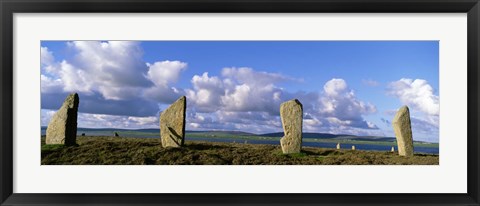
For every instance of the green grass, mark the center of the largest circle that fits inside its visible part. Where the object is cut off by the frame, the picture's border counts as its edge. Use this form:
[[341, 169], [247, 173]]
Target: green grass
[[52, 147], [147, 151]]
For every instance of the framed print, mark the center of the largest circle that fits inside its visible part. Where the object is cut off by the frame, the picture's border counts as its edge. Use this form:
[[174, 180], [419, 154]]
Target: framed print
[[247, 103]]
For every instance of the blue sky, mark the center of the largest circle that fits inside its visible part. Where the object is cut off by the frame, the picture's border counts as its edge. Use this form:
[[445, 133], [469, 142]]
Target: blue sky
[[348, 87]]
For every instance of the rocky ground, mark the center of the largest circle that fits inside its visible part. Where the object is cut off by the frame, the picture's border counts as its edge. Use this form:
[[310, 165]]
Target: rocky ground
[[140, 151]]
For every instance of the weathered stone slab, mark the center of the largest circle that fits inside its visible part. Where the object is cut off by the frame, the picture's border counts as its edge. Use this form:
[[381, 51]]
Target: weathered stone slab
[[338, 145], [353, 147], [172, 124], [291, 113], [62, 128], [403, 131]]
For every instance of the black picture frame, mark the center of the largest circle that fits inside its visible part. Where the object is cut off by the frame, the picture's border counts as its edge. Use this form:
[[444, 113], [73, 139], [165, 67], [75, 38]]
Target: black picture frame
[[10, 7]]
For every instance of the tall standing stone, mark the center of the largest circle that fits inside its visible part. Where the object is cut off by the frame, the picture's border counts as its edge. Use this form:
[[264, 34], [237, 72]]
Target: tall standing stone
[[291, 113], [172, 124], [62, 128], [403, 132]]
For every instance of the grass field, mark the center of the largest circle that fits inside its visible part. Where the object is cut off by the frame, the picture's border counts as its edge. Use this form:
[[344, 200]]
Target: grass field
[[148, 151]]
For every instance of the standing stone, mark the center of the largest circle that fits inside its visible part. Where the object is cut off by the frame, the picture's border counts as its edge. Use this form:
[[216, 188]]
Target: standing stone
[[353, 147], [62, 128], [338, 145], [291, 113], [172, 124], [393, 149], [403, 132]]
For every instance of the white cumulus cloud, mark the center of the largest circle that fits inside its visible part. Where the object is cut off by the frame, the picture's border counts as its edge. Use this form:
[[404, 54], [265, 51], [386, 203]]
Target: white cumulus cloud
[[339, 106], [238, 89], [207, 93], [114, 69], [110, 77], [163, 74], [46, 56], [238, 99], [417, 94], [118, 89], [50, 85]]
